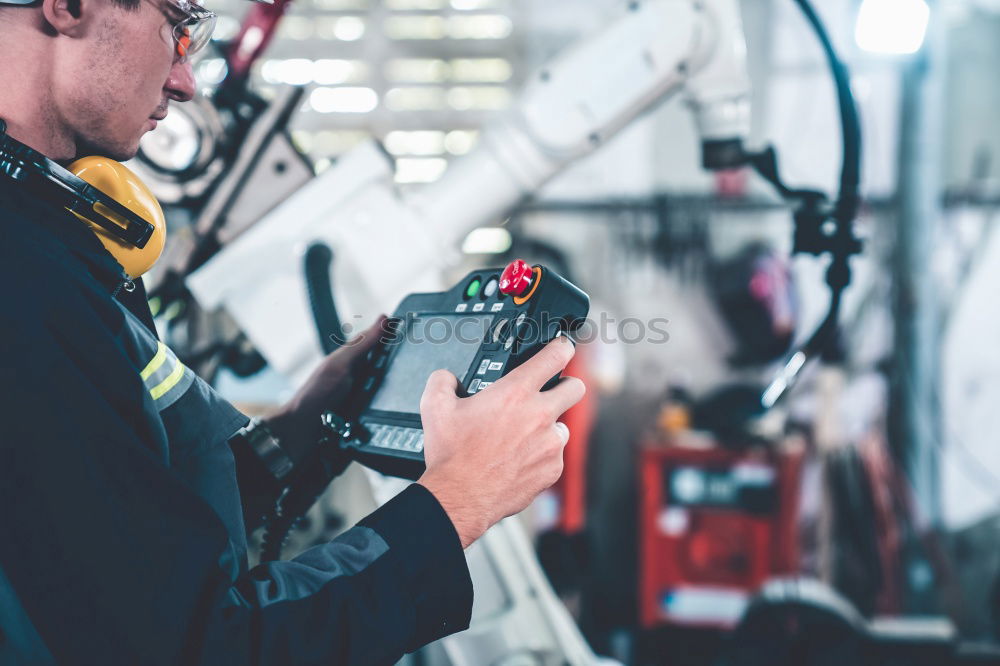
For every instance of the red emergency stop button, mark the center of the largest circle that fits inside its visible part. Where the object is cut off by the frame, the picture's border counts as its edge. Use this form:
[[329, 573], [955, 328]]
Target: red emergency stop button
[[516, 279]]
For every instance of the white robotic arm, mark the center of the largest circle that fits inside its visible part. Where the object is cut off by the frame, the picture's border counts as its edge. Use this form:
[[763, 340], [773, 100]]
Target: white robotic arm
[[576, 103], [386, 245]]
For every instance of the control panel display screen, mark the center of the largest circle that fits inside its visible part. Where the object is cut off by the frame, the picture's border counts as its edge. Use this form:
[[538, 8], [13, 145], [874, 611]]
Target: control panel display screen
[[429, 343]]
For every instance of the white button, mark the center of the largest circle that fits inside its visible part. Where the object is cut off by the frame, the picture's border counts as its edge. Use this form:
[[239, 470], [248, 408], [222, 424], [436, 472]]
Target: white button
[[483, 367], [419, 446], [491, 287], [460, 307], [509, 343], [474, 386], [478, 307], [496, 365], [499, 329], [496, 307]]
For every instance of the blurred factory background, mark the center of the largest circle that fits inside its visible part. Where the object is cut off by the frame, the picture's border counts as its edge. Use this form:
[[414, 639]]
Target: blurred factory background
[[877, 473]]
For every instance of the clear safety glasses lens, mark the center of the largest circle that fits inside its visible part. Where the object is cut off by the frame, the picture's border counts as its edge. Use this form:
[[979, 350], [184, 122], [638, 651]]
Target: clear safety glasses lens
[[194, 32]]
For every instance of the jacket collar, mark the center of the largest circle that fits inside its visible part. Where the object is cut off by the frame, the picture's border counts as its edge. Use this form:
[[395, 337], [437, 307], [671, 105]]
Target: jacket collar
[[69, 231]]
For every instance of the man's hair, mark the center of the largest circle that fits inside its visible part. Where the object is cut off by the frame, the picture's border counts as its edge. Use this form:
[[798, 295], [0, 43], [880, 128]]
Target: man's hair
[[125, 4]]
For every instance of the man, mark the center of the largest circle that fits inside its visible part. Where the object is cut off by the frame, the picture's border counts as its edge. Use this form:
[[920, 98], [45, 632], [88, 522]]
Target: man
[[123, 508]]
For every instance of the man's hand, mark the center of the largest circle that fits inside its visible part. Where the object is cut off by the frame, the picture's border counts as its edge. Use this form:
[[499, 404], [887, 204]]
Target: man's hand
[[296, 424], [490, 454]]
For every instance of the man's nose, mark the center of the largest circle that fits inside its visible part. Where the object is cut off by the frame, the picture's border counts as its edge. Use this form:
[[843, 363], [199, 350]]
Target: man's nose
[[180, 82]]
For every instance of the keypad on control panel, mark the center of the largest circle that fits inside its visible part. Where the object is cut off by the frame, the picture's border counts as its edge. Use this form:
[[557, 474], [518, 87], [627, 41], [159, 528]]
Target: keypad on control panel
[[398, 438]]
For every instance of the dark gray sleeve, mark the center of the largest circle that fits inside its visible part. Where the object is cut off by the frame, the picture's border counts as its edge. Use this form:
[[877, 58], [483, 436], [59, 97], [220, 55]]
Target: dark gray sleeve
[[115, 560]]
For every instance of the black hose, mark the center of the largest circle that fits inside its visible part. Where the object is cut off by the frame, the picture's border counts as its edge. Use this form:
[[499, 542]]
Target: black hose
[[317, 262], [842, 243], [850, 173], [848, 199], [817, 341]]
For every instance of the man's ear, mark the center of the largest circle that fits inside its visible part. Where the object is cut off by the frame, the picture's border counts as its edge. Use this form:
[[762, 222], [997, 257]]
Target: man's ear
[[68, 17]]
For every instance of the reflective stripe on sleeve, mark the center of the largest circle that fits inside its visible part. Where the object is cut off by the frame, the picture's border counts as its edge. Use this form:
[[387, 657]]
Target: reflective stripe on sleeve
[[165, 377], [171, 381], [156, 362]]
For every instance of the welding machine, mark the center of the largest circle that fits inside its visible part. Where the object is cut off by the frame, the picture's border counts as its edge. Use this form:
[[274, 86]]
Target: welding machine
[[714, 525]]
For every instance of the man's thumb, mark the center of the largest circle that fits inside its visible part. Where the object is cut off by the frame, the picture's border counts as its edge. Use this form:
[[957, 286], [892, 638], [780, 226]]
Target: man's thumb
[[441, 388]]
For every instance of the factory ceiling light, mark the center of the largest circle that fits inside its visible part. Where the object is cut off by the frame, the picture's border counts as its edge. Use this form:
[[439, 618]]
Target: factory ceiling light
[[895, 27]]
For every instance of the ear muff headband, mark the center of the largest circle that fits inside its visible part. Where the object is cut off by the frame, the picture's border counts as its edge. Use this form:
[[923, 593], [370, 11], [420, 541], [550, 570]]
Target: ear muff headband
[[122, 211]]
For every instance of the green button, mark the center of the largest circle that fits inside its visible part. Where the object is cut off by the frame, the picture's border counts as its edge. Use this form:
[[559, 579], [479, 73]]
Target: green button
[[473, 288]]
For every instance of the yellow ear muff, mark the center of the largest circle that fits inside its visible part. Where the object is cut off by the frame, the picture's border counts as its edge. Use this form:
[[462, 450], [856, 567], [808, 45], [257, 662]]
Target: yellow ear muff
[[118, 182]]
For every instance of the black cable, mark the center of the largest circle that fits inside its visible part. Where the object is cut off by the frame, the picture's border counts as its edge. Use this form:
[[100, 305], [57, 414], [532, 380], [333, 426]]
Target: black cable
[[850, 173], [813, 217], [827, 328], [317, 262]]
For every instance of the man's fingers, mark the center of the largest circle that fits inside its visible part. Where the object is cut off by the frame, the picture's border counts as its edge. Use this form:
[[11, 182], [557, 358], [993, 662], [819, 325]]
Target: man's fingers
[[565, 394], [442, 386], [544, 365]]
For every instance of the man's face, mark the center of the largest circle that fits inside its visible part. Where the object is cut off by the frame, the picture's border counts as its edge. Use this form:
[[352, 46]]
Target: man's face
[[115, 84]]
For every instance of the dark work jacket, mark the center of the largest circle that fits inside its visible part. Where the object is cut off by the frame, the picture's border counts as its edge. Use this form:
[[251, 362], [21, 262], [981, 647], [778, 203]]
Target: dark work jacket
[[122, 532]]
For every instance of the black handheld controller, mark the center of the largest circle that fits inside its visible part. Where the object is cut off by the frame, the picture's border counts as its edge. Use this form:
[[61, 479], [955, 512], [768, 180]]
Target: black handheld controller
[[489, 323]]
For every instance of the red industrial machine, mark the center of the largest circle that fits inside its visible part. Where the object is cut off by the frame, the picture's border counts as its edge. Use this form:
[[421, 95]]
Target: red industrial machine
[[714, 524]]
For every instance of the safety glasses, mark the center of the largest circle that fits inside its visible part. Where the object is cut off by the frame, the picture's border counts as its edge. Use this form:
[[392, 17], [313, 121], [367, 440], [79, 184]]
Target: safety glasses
[[192, 26]]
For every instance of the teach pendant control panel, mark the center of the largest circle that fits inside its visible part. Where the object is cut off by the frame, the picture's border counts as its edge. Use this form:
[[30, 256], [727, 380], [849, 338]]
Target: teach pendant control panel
[[482, 328]]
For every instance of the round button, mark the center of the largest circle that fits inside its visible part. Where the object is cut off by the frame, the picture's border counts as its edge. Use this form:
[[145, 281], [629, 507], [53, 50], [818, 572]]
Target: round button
[[473, 288], [515, 331], [500, 329], [491, 287], [517, 278]]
